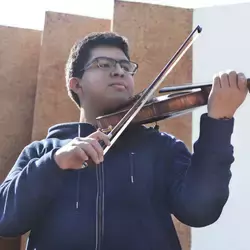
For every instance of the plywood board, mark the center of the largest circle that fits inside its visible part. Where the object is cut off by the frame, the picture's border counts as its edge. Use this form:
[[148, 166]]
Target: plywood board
[[19, 57], [52, 102]]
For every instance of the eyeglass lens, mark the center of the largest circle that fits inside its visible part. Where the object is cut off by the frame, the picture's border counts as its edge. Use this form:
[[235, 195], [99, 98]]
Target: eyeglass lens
[[108, 63]]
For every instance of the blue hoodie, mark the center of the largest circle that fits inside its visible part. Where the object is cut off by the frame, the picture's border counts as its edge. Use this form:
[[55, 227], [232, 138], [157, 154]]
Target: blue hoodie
[[149, 175]]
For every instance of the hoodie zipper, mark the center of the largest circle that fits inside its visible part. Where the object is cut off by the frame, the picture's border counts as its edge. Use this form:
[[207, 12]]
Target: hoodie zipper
[[99, 205]]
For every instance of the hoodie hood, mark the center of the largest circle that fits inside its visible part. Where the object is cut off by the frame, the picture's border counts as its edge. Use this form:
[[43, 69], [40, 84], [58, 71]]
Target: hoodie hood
[[70, 130]]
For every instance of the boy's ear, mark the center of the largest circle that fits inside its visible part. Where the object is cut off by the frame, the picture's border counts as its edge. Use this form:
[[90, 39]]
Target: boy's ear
[[74, 84]]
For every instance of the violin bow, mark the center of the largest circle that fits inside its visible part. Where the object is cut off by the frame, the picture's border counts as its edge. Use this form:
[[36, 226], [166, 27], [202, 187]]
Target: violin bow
[[129, 116]]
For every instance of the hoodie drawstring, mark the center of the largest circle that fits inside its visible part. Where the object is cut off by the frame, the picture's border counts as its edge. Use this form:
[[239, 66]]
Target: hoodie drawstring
[[78, 189], [78, 174], [132, 158], [99, 199]]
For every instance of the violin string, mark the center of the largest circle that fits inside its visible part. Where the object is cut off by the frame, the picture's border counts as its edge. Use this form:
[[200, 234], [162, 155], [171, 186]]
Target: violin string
[[194, 83]]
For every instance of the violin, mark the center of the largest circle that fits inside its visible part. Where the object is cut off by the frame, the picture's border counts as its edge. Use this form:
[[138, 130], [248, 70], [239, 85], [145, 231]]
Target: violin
[[163, 107]]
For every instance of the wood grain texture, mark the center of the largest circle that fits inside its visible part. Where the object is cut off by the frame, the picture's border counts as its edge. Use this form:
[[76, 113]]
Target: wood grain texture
[[19, 57], [52, 104]]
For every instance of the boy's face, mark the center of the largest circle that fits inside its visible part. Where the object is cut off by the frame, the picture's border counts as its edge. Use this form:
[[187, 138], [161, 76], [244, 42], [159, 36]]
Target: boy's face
[[106, 85]]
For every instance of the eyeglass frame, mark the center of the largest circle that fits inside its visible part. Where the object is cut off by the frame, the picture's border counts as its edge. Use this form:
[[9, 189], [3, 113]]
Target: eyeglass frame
[[88, 65]]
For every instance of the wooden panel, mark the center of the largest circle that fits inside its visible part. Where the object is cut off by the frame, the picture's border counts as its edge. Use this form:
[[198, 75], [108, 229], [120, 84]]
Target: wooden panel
[[19, 57], [10, 243], [52, 102], [155, 33]]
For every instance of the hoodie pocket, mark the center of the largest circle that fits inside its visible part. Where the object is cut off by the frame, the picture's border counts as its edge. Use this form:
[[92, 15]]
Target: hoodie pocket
[[140, 172]]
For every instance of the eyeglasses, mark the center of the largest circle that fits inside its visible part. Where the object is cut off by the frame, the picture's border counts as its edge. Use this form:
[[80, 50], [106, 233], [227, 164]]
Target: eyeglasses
[[107, 63]]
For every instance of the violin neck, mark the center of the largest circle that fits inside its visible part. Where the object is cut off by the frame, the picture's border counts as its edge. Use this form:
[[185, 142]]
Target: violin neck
[[191, 86], [184, 87]]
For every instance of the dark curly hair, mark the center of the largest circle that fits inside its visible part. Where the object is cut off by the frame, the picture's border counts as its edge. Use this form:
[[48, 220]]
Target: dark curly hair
[[80, 53]]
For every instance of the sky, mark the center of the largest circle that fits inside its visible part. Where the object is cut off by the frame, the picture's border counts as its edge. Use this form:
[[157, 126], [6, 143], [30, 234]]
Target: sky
[[30, 13]]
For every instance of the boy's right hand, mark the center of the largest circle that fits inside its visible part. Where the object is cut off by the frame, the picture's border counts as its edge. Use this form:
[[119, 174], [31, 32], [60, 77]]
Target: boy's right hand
[[79, 150]]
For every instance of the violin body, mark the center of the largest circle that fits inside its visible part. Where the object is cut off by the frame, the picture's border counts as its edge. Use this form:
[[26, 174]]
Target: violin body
[[158, 108]]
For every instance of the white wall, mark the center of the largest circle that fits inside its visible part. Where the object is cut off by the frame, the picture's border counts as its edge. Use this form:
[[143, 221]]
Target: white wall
[[225, 44]]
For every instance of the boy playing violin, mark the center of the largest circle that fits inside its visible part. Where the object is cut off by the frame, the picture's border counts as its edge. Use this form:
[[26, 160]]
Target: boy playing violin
[[149, 175]]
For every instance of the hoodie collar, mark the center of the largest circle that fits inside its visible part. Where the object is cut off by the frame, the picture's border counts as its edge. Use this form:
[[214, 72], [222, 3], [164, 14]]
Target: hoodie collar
[[70, 130]]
